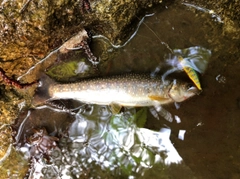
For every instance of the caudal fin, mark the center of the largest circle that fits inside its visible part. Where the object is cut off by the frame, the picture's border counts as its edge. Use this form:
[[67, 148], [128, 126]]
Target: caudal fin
[[41, 95]]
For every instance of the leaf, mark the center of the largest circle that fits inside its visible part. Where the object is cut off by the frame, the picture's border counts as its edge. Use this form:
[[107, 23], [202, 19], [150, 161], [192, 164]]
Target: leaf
[[127, 169], [141, 117], [63, 70], [136, 159]]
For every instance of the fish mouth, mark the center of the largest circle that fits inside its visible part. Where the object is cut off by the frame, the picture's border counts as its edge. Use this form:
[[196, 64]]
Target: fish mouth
[[179, 94], [194, 90]]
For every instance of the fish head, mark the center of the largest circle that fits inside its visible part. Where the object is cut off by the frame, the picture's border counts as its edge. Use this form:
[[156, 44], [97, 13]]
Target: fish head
[[181, 91]]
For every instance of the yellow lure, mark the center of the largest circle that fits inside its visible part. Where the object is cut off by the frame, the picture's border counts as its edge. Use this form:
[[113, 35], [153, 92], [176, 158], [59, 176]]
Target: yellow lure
[[190, 72]]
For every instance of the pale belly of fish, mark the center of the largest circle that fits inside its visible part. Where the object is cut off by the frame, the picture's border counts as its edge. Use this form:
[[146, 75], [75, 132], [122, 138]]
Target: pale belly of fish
[[124, 90]]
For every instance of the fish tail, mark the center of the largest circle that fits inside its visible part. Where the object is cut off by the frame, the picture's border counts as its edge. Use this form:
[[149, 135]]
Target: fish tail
[[41, 95]]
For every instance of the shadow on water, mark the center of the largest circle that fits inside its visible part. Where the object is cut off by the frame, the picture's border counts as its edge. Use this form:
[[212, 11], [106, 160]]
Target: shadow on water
[[134, 144]]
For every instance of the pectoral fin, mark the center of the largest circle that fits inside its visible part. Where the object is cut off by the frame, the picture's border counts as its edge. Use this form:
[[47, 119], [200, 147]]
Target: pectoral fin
[[158, 98], [115, 108], [177, 105]]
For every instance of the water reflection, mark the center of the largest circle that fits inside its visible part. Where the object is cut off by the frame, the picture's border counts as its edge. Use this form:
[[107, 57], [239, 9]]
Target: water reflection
[[99, 144], [214, 15], [118, 144], [193, 57]]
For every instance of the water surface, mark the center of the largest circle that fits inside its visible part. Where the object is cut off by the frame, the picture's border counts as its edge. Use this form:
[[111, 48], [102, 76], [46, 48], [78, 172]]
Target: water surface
[[201, 140]]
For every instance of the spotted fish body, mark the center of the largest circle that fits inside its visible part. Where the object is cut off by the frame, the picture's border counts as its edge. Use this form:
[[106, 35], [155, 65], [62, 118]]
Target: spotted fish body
[[125, 90], [190, 72]]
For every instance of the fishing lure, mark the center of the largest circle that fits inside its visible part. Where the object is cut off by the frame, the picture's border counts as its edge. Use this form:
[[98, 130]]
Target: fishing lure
[[190, 72]]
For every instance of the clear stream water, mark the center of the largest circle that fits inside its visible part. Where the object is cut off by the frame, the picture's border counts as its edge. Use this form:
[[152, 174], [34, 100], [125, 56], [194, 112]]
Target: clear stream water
[[198, 140]]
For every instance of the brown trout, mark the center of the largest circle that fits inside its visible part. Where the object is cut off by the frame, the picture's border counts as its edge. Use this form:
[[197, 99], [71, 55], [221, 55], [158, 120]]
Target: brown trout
[[124, 90]]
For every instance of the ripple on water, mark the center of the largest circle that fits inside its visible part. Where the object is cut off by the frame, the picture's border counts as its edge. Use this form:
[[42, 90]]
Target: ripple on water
[[98, 144]]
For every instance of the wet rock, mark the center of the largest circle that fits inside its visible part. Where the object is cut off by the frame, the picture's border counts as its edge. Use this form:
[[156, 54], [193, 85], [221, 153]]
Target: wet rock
[[228, 11], [225, 8], [118, 15], [30, 29]]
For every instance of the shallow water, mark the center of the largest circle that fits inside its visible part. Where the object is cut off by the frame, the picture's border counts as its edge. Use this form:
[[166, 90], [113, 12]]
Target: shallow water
[[134, 144]]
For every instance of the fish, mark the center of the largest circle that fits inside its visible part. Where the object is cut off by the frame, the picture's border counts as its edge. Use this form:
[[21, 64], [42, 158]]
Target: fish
[[134, 90], [190, 72]]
